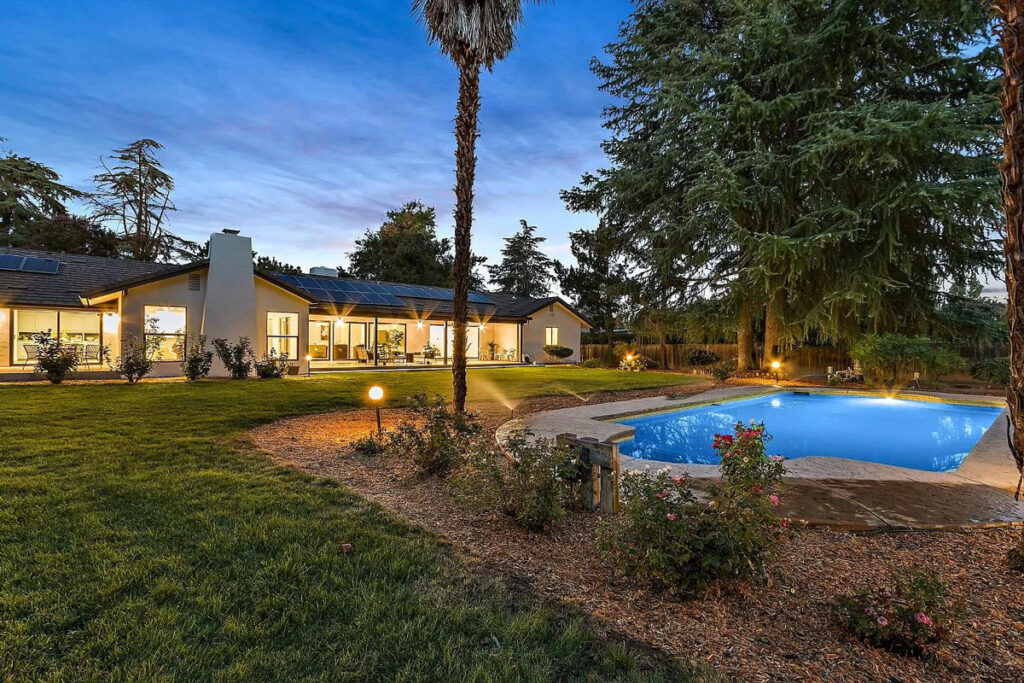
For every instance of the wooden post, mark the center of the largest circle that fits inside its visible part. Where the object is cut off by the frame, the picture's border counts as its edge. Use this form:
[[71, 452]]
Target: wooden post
[[601, 488]]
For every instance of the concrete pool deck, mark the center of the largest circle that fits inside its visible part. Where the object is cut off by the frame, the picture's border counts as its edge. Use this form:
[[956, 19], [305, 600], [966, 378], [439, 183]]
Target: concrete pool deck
[[829, 490]]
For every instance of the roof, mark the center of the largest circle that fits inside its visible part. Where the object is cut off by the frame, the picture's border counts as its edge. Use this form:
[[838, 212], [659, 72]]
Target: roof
[[87, 277], [75, 275]]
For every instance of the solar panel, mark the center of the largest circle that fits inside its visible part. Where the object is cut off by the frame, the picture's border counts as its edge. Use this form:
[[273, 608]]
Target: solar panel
[[10, 262], [46, 266]]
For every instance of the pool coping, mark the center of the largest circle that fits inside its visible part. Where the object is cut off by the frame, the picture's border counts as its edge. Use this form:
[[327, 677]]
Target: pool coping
[[988, 468]]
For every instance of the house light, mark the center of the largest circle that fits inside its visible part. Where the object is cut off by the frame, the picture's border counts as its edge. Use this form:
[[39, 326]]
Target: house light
[[110, 322], [483, 326], [419, 324]]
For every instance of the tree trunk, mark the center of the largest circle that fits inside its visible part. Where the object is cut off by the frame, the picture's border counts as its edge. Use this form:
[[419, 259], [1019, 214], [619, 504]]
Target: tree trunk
[[1011, 40], [466, 118], [745, 336], [771, 331]]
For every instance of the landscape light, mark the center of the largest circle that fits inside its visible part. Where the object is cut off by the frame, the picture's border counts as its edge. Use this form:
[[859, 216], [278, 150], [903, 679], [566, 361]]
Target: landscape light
[[376, 394], [775, 365], [629, 357], [309, 366]]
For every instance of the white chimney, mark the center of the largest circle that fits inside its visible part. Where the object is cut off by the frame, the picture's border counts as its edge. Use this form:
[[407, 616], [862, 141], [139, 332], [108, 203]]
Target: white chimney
[[230, 310]]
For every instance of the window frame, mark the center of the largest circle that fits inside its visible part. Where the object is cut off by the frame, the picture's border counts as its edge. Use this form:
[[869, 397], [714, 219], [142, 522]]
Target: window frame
[[146, 335], [547, 335], [298, 321]]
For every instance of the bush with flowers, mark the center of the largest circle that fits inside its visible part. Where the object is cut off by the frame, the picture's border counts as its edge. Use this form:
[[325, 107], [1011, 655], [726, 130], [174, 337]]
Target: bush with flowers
[[911, 619], [535, 484], [671, 538]]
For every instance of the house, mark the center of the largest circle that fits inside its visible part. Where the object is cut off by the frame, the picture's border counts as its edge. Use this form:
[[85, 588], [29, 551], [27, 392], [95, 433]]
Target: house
[[323, 322]]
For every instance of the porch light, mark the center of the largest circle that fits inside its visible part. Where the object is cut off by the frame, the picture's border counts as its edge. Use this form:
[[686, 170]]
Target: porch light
[[419, 324], [376, 394], [483, 326]]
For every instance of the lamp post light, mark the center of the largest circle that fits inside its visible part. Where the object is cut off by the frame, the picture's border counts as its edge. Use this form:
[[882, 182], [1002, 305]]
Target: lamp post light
[[775, 368], [376, 394], [309, 365]]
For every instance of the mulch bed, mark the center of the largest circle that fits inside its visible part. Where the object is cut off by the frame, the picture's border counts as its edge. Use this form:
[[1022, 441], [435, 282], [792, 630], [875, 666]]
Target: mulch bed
[[781, 630]]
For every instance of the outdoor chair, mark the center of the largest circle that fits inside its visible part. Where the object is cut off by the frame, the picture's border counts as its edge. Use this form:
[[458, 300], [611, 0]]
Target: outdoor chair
[[31, 353]]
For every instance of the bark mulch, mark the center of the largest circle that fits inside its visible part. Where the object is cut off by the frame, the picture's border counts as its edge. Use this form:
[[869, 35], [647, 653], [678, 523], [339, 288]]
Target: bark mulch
[[780, 630]]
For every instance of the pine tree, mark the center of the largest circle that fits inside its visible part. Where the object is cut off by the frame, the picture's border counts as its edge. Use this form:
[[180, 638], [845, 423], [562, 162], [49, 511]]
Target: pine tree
[[524, 269], [29, 192], [593, 283], [827, 165]]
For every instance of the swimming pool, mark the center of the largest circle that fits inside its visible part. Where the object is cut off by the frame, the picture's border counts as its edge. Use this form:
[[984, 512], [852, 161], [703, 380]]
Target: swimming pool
[[921, 435]]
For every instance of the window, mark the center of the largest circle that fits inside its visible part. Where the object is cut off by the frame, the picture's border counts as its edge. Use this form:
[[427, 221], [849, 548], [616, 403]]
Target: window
[[283, 334], [320, 339], [165, 331], [75, 328], [550, 336]]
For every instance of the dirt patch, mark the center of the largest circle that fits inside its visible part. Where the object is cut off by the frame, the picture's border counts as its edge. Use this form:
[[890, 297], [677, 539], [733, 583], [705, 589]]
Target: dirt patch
[[783, 630]]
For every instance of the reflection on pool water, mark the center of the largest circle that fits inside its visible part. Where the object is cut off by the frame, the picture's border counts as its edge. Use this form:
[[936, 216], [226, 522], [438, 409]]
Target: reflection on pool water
[[920, 435]]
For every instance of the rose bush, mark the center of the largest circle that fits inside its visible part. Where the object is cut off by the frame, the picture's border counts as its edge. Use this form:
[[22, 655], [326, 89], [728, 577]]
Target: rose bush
[[671, 538]]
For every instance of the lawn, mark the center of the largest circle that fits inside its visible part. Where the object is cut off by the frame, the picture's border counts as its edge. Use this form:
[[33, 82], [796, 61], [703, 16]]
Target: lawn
[[143, 538]]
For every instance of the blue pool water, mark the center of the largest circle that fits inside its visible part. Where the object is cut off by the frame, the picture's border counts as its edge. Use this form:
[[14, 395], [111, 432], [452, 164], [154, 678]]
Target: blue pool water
[[915, 434]]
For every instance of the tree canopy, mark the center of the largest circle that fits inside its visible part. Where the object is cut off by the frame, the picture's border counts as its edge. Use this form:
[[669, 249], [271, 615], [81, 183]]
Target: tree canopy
[[405, 248], [524, 269], [30, 192], [826, 165], [594, 283]]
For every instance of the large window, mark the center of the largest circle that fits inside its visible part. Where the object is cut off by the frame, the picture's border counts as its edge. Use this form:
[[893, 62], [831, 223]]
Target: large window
[[283, 334], [320, 339], [550, 336], [165, 331], [82, 329]]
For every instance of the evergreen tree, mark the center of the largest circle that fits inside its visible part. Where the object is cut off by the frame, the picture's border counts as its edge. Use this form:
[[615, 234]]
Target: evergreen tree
[[827, 164], [593, 284], [272, 264], [29, 192], [70, 235], [135, 196], [524, 269], [405, 248]]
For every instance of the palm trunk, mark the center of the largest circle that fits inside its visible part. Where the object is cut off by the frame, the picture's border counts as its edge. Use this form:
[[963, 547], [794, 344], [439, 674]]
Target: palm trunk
[[1011, 40], [466, 117], [745, 336]]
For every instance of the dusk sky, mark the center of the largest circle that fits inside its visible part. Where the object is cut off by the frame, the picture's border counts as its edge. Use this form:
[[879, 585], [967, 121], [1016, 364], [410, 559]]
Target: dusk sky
[[302, 123]]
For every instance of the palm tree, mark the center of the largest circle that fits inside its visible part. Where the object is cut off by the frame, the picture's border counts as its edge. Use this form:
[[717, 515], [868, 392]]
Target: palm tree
[[1011, 40], [474, 34]]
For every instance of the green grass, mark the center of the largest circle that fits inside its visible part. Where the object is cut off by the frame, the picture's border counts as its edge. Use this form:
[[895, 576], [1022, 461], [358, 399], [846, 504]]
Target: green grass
[[142, 538]]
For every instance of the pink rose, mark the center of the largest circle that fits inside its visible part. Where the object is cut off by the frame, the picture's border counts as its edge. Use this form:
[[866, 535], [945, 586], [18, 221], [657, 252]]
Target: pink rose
[[671, 517], [774, 499], [882, 621], [922, 618]]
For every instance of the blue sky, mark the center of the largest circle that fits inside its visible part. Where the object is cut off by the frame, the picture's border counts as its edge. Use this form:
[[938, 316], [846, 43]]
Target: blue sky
[[302, 123]]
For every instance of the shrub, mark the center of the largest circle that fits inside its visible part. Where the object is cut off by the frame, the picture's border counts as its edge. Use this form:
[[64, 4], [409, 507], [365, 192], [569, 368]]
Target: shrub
[[633, 364], [55, 360], [992, 370], [271, 366], [721, 372], [670, 539], [558, 352], [196, 360], [701, 357], [835, 381], [913, 619], [591, 363], [371, 446], [941, 362], [441, 443], [237, 358], [534, 485], [137, 357], [894, 357]]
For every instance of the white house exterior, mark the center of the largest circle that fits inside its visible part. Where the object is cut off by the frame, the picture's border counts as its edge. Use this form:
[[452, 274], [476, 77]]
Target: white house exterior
[[321, 322]]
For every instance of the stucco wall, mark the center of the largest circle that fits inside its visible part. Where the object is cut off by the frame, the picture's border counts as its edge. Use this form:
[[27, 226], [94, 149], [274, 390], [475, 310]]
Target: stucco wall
[[172, 291], [273, 299], [5, 336], [569, 329]]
